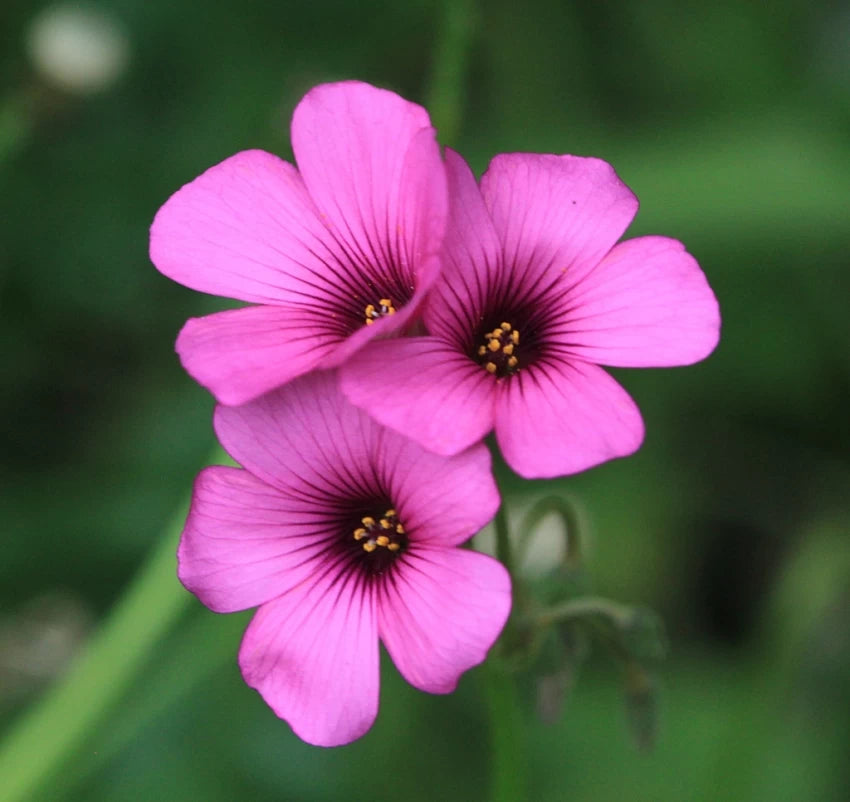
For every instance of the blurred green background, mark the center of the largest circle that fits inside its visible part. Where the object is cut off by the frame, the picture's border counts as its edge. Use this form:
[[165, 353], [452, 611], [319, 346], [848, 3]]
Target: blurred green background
[[730, 121]]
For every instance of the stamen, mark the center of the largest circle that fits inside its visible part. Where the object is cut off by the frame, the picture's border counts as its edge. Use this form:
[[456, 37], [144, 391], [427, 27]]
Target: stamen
[[385, 533], [372, 313], [498, 351]]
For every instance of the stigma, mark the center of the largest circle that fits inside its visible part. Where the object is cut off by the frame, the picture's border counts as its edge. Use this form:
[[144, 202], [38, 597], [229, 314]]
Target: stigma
[[498, 353], [373, 312]]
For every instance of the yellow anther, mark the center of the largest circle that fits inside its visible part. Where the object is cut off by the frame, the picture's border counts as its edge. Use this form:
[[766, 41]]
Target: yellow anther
[[369, 545], [505, 326], [515, 337], [390, 513], [482, 349], [513, 362], [508, 349], [382, 540], [490, 367], [367, 521], [359, 534], [399, 528], [370, 321], [497, 333], [370, 310], [391, 310], [494, 345], [386, 302], [385, 524], [394, 547]]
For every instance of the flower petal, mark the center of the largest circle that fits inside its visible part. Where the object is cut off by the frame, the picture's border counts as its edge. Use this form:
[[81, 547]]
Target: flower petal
[[556, 216], [439, 500], [372, 165], [247, 229], [423, 388], [647, 304], [440, 614], [313, 656], [472, 260], [304, 437], [242, 353], [244, 542], [557, 418]]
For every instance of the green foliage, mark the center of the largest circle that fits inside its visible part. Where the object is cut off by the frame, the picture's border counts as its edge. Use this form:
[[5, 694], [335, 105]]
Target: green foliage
[[730, 122]]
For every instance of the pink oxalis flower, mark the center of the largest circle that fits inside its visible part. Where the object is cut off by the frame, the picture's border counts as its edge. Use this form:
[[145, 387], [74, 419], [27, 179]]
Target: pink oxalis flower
[[343, 532], [535, 294], [349, 238]]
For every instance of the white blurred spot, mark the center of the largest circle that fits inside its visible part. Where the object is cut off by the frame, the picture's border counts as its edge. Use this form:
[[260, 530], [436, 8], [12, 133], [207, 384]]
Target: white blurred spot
[[76, 49]]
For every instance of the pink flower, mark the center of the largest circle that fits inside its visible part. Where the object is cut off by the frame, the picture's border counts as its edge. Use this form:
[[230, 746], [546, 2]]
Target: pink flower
[[349, 238], [343, 532], [534, 295]]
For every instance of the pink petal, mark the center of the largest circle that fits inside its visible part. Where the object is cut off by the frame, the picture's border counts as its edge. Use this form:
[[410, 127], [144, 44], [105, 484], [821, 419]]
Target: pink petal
[[439, 500], [557, 418], [247, 229], [647, 304], [441, 614], [304, 437], [556, 216], [313, 656], [242, 353], [244, 542], [424, 389], [472, 259], [372, 165]]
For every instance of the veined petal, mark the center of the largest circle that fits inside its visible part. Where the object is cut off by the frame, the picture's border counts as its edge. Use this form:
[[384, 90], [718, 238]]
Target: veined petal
[[247, 229], [559, 417], [440, 501], [313, 656], [372, 165], [242, 353], [423, 388], [304, 437], [647, 304], [440, 615], [472, 259], [244, 542], [556, 217]]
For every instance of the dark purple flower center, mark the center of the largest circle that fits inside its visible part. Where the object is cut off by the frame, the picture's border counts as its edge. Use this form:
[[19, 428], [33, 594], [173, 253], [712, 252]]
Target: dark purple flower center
[[499, 354], [377, 542]]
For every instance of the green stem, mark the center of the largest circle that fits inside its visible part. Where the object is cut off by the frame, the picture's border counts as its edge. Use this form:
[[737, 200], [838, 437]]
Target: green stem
[[507, 773], [47, 735], [447, 81], [583, 607], [503, 539]]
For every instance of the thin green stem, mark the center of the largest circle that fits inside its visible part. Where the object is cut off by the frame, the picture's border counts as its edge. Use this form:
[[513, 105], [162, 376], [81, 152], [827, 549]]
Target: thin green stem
[[583, 607], [39, 743], [507, 773], [447, 84], [504, 551]]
